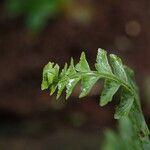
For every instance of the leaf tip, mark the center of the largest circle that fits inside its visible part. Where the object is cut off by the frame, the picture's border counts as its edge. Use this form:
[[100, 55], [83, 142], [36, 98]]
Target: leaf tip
[[102, 103], [71, 61], [83, 54], [67, 95], [116, 116], [42, 89], [58, 96], [100, 50], [51, 93], [82, 94], [113, 55]]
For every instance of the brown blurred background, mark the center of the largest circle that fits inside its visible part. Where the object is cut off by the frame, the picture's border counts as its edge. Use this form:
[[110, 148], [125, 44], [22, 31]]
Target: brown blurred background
[[31, 119]]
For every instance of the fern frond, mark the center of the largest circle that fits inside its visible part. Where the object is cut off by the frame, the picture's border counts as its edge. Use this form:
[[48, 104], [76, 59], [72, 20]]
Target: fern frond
[[115, 75]]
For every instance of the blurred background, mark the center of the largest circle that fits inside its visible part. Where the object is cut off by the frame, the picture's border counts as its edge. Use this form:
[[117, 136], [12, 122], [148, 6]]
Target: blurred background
[[33, 32]]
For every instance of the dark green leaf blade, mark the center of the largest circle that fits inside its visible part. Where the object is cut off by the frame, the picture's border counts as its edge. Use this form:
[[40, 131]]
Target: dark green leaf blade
[[53, 88], [118, 67], [71, 70], [68, 80], [125, 105], [70, 86], [87, 82], [102, 64], [110, 88], [83, 65], [71, 83], [64, 70], [131, 78], [61, 83]]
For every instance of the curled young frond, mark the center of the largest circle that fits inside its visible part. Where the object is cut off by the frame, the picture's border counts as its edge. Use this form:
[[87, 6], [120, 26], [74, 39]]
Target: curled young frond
[[113, 72]]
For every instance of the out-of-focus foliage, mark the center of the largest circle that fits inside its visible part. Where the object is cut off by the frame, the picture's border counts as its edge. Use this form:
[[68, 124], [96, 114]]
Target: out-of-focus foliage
[[126, 139], [36, 11], [115, 75]]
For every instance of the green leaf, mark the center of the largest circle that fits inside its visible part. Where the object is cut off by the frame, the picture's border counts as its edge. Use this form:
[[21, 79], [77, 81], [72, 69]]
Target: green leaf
[[83, 65], [131, 78], [118, 67], [64, 70], [125, 105], [37, 12], [67, 80], [49, 74], [102, 64], [53, 88], [61, 85], [87, 83], [71, 81], [110, 88], [62, 82], [71, 70], [70, 86]]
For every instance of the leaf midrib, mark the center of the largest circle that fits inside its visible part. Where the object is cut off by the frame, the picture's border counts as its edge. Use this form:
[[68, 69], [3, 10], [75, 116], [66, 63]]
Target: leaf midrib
[[111, 77]]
